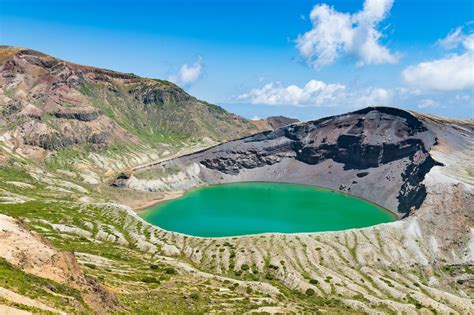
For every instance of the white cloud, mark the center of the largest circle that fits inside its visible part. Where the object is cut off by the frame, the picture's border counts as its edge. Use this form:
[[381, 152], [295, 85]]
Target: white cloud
[[453, 39], [313, 93], [317, 93], [427, 103], [447, 74], [188, 74], [371, 97], [463, 97], [452, 73], [335, 34]]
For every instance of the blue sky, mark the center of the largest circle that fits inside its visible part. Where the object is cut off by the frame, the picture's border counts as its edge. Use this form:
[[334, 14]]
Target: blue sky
[[260, 58]]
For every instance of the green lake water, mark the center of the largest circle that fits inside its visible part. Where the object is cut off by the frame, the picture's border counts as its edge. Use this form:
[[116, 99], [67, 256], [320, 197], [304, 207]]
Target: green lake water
[[252, 208]]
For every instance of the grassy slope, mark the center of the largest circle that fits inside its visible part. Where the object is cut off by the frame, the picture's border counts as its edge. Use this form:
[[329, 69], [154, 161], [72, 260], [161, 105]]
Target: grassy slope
[[179, 118], [142, 282]]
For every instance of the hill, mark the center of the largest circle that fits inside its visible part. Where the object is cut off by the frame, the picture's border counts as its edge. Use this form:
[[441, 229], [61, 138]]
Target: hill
[[48, 105]]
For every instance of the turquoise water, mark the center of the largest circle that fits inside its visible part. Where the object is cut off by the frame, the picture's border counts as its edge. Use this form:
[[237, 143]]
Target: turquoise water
[[252, 208]]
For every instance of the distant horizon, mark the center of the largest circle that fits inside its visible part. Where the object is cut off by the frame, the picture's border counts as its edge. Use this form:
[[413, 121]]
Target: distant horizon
[[303, 59]]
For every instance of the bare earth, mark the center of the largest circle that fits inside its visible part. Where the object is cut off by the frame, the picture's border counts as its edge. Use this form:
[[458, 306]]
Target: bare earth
[[140, 205]]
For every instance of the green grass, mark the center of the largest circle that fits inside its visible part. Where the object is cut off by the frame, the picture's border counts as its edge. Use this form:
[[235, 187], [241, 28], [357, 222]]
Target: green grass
[[66, 158], [172, 118]]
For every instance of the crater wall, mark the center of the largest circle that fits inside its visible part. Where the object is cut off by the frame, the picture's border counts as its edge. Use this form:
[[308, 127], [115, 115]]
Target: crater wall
[[378, 153]]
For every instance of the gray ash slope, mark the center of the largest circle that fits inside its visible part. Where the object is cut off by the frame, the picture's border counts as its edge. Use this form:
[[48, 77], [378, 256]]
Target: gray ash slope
[[377, 153]]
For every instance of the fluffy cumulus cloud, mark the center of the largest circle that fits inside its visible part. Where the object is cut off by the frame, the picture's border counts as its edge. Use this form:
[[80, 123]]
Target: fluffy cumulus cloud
[[454, 72], [313, 93], [317, 93], [188, 74], [335, 34]]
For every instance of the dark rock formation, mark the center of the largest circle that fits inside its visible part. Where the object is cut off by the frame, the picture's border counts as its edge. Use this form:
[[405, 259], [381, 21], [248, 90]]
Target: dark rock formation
[[121, 180], [238, 160], [413, 192], [367, 138], [78, 115]]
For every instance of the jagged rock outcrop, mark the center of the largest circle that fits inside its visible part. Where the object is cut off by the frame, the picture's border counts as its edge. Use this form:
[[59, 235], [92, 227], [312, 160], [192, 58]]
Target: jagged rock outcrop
[[83, 114]]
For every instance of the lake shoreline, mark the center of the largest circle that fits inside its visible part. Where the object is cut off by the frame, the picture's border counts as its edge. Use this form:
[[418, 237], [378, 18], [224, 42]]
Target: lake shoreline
[[325, 200], [139, 206]]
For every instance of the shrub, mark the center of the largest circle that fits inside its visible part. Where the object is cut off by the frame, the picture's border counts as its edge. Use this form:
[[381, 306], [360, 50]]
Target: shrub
[[309, 292], [313, 281], [170, 271], [90, 266], [150, 280], [245, 267]]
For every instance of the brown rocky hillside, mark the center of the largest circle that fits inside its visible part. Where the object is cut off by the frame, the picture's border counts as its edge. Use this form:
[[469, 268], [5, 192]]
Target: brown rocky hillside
[[52, 104]]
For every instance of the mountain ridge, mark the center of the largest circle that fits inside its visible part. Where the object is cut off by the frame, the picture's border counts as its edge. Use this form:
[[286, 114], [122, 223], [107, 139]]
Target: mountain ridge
[[140, 110]]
